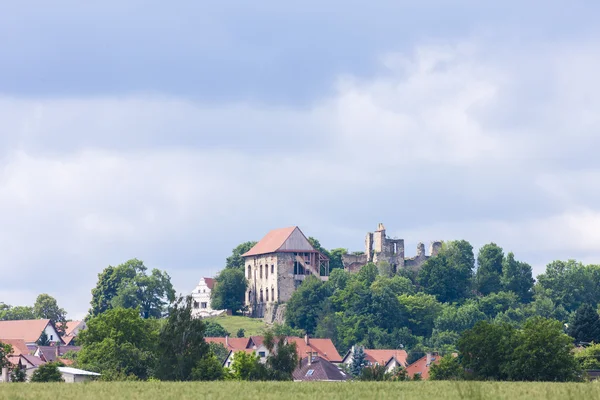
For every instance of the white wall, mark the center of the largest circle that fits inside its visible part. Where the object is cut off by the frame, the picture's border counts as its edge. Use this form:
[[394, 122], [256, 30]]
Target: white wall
[[201, 296]]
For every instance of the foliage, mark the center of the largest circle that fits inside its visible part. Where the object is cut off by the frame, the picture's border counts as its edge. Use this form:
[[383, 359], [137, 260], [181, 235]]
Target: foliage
[[214, 329], [586, 325], [489, 269], [219, 351], [358, 361], [128, 286], [517, 278], [10, 313], [119, 344], [47, 373], [181, 343], [305, 304], [235, 260], [240, 333], [284, 330], [495, 303], [422, 310], [229, 291], [283, 357], [246, 367], [18, 375], [335, 259], [589, 357], [459, 319], [448, 275], [209, 368], [5, 351], [46, 307], [44, 340], [448, 368], [374, 373]]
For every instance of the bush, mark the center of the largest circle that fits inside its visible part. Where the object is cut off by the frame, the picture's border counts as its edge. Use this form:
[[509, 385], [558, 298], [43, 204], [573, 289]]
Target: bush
[[47, 373]]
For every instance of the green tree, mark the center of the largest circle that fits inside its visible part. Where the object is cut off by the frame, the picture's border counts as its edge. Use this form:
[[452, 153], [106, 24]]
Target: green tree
[[10, 313], [47, 373], [129, 286], [448, 275], [46, 307], [181, 343], [335, 258], [517, 277], [495, 303], [246, 366], [448, 369], [283, 357], [209, 368], [219, 351], [305, 304], [422, 310], [489, 269], [214, 329], [230, 290], [589, 358], [119, 344], [358, 361], [542, 352], [586, 325], [459, 319], [18, 374], [375, 373], [44, 340], [241, 333], [235, 260], [5, 351]]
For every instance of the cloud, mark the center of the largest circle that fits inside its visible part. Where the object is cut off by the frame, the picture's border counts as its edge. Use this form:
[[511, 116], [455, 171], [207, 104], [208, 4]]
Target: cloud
[[439, 145]]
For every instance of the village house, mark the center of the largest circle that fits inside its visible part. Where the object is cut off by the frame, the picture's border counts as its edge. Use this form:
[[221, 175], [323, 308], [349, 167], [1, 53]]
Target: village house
[[391, 359], [201, 307], [422, 365], [318, 369], [72, 330], [30, 331], [277, 265]]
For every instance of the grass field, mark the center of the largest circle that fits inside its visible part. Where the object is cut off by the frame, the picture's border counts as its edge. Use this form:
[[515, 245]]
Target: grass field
[[251, 326], [293, 390]]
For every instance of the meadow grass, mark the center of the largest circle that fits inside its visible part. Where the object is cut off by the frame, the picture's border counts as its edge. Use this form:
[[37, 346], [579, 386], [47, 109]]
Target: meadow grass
[[251, 326], [296, 390]]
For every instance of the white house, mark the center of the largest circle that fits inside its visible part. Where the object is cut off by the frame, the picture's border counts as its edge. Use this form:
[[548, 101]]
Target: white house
[[201, 299], [29, 330]]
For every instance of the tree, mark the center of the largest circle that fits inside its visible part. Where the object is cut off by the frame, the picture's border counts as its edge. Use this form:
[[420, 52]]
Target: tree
[[246, 366], [447, 369], [119, 344], [44, 340], [448, 275], [586, 325], [47, 373], [213, 329], [241, 333], [489, 269], [219, 351], [10, 313], [5, 351], [422, 310], [235, 260], [305, 304], [542, 353], [230, 290], [335, 258], [46, 307], [589, 358], [517, 278], [375, 373], [181, 343], [129, 286], [495, 303], [283, 357], [459, 319], [358, 361], [18, 374], [209, 368]]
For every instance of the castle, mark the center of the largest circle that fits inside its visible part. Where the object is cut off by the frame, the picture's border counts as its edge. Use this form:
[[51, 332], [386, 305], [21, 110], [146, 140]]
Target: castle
[[379, 248]]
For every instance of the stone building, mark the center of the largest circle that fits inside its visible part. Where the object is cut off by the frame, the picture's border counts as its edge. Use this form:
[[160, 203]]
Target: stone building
[[201, 307], [380, 248], [277, 265]]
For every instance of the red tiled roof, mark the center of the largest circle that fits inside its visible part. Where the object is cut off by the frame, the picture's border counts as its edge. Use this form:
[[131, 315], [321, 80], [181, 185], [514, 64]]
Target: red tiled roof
[[271, 242], [234, 344], [257, 340], [28, 330], [18, 346], [323, 347], [71, 325], [383, 356], [210, 282], [420, 366], [68, 340]]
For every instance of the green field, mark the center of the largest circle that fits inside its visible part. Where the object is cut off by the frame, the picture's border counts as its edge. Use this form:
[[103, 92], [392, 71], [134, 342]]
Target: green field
[[251, 326], [294, 390]]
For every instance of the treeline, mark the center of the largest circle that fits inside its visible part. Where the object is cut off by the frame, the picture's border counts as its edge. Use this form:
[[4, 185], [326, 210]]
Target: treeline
[[429, 310], [45, 307]]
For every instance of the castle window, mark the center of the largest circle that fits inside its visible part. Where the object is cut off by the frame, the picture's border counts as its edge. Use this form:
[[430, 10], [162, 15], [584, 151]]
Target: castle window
[[261, 295], [195, 304], [267, 295], [272, 269], [260, 269], [266, 271], [272, 294], [249, 296], [204, 305]]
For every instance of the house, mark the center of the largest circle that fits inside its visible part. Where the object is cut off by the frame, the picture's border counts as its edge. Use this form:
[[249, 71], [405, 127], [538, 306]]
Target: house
[[72, 330], [392, 359], [30, 363], [322, 348], [231, 356], [19, 347], [74, 375], [422, 365], [231, 344], [30, 330], [277, 265], [318, 369], [201, 307], [54, 353]]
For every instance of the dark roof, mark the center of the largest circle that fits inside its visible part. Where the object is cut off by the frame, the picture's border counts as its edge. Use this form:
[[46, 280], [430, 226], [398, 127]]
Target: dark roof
[[318, 370], [48, 353], [33, 360]]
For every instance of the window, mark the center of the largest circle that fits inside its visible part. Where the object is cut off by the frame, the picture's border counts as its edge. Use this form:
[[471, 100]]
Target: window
[[261, 295], [249, 296], [51, 337], [267, 294], [260, 272], [195, 304], [249, 272], [272, 269], [266, 271], [310, 372], [262, 354], [204, 305], [272, 294]]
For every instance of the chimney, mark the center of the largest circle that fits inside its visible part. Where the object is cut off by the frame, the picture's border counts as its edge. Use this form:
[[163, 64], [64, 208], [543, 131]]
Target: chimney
[[5, 374], [309, 357], [428, 359], [226, 340], [306, 339]]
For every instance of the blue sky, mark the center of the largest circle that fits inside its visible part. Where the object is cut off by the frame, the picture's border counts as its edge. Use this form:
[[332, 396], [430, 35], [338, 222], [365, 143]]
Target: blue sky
[[173, 132]]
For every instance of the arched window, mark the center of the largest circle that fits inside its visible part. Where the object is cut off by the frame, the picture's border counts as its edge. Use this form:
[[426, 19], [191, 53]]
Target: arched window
[[267, 295], [249, 296], [260, 271], [261, 295], [249, 272], [266, 272], [272, 294]]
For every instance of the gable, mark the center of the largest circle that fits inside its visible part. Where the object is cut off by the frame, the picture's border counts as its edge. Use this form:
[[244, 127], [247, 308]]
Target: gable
[[296, 241]]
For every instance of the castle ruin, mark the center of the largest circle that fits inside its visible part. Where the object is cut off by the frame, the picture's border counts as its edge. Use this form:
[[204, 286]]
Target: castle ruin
[[379, 248]]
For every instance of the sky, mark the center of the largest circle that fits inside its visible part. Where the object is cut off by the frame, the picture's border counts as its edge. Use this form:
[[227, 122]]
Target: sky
[[173, 131]]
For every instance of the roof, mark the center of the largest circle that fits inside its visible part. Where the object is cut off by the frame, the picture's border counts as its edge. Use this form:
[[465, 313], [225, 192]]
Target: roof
[[71, 325], [276, 239], [33, 360], [76, 371], [68, 339], [323, 347], [48, 353], [318, 370], [382, 357], [232, 343], [29, 330], [210, 282], [256, 340], [18, 346], [421, 366]]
